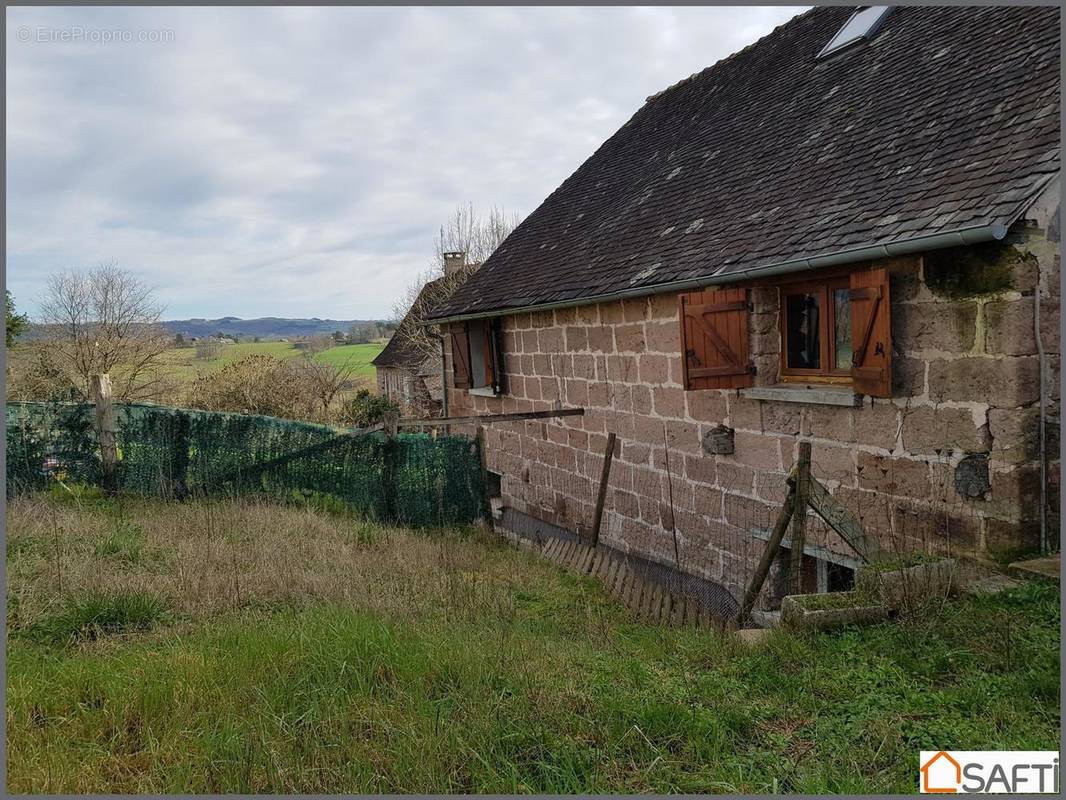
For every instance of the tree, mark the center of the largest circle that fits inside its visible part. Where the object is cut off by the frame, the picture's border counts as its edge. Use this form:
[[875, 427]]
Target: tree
[[325, 381], [208, 349], [14, 323], [467, 232], [364, 332], [102, 321], [179, 340]]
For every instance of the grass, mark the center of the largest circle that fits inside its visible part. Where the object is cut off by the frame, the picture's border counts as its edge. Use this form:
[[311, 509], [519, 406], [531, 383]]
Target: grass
[[291, 650], [183, 363]]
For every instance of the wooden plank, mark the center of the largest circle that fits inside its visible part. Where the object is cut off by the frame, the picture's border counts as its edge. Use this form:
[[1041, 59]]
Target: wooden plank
[[601, 497], [596, 556], [632, 597], [655, 602], [772, 546], [692, 610], [677, 614], [705, 619], [799, 518], [486, 419], [840, 519], [612, 576], [573, 556], [667, 607], [620, 581]]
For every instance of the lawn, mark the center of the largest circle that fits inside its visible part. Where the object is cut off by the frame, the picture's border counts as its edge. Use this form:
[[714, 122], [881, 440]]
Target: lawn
[[236, 647]]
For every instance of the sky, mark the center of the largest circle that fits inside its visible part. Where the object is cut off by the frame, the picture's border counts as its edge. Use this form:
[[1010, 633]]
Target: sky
[[299, 162]]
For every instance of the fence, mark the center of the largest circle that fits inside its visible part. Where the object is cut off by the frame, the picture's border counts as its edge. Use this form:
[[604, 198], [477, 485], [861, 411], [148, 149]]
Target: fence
[[410, 479]]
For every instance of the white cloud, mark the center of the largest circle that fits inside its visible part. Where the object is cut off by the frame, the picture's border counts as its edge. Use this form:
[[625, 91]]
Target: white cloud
[[298, 161]]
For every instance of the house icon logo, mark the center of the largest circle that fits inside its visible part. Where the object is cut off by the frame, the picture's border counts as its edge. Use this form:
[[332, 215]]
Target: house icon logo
[[941, 774]]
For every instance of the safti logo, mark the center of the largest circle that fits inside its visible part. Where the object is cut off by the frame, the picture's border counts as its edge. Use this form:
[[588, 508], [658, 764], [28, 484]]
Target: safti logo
[[989, 772]]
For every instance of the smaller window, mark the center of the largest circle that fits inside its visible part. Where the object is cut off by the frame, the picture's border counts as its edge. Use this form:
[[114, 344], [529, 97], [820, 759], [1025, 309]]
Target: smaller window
[[861, 25], [477, 355], [816, 331]]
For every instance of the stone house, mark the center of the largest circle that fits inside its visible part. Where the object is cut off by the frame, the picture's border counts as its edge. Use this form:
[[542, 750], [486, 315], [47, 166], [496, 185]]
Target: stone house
[[405, 372], [846, 233]]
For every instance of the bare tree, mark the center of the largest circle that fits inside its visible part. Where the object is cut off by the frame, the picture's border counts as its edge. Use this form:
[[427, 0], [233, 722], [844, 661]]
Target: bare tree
[[466, 231], [325, 381], [106, 321]]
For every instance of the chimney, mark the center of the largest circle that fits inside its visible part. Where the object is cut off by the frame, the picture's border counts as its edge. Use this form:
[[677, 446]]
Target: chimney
[[454, 262]]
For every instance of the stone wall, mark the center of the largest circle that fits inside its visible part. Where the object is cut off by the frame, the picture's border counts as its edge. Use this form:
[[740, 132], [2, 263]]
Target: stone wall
[[966, 392]]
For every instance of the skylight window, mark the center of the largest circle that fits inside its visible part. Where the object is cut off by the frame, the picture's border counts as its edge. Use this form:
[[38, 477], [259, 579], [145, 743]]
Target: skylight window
[[861, 25]]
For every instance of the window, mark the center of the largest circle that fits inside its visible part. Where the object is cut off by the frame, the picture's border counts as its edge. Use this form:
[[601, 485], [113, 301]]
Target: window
[[816, 331], [861, 25], [477, 362], [833, 329]]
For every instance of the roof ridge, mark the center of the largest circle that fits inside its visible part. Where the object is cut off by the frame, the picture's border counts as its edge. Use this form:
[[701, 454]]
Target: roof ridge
[[728, 58]]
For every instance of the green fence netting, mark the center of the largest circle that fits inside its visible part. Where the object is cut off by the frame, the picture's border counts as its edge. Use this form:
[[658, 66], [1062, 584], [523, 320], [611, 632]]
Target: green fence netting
[[410, 479]]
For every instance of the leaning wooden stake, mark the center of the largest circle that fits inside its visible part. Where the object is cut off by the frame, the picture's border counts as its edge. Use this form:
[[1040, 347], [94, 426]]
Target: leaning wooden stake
[[799, 519], [100, 391], [768, 556], [608, 456]]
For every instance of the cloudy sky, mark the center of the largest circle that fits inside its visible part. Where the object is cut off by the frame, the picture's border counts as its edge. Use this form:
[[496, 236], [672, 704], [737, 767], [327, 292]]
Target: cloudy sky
[[298, 162]]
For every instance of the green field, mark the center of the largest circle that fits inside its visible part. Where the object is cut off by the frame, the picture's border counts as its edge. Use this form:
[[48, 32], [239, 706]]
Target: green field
[[182, 361], [233, 647]]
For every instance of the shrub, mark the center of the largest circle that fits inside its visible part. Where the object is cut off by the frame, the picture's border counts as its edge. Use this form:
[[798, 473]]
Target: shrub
[[256, 384], [366, 409]]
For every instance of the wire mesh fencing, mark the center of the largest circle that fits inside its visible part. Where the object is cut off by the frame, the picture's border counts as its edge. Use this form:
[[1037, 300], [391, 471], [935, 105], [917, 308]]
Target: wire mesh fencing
[[409, 479]]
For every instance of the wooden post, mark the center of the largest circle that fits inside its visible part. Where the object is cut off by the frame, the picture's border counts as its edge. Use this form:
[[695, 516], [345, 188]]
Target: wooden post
[[768, 556], [100, 391], [601, 498], [486, 503], [799, 518]]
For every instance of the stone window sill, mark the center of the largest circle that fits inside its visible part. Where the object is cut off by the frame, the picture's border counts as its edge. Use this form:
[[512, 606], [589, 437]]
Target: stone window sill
[[805, 393], [483, 391]]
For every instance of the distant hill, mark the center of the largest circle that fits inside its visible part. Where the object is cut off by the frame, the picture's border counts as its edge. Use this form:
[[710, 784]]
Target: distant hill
[[263, 327]]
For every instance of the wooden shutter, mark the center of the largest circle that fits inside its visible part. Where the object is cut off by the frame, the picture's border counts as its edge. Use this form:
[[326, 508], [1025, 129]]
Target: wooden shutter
[[460, 355], [871, 333], [714, 339]]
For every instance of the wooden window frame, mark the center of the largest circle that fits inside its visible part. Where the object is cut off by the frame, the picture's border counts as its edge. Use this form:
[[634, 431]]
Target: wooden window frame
[[824, 288], [487, 333]]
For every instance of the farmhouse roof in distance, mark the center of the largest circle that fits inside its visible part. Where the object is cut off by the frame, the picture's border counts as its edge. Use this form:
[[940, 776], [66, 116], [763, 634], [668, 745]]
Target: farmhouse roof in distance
[[944, 120], [400, 351]]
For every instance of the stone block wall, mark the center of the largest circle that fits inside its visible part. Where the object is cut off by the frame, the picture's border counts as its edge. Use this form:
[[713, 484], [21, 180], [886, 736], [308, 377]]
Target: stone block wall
[[965, 389]]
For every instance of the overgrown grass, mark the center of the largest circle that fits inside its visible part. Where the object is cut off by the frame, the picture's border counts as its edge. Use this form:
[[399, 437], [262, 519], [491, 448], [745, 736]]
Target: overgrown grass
[[363, 659]]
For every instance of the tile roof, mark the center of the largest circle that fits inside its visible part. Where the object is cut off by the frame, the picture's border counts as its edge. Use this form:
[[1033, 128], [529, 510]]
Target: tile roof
[[399, 351], [947, 118]]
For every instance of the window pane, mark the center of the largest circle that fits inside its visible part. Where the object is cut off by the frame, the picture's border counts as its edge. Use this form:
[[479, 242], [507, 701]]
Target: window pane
[[478, 379], [842, 328], [801, 318]]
